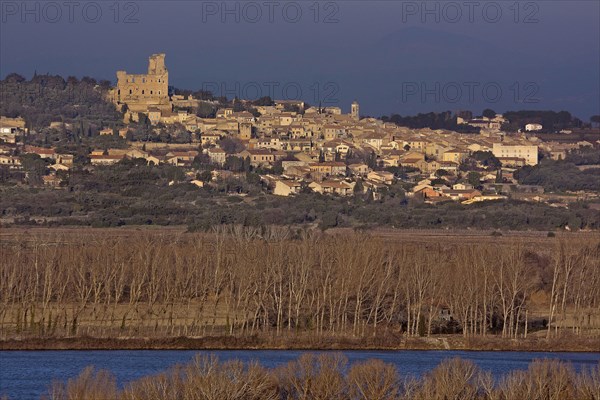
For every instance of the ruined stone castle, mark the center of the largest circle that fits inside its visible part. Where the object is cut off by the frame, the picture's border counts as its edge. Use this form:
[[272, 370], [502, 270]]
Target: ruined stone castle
[[144, 93]]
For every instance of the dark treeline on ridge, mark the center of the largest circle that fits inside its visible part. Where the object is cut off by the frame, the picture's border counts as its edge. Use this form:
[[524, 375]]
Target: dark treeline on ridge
[[48, 98], [443, 120]]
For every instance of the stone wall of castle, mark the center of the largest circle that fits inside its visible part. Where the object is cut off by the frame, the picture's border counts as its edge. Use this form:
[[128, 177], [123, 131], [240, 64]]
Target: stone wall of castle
[[144, 92]]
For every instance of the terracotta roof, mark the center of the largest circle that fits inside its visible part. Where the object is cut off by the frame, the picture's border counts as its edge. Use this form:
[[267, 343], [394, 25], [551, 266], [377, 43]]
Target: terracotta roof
[[39, 150], [107, 157]]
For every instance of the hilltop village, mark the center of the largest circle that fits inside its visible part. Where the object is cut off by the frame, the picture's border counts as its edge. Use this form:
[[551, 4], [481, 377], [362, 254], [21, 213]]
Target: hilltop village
[[296, 148]]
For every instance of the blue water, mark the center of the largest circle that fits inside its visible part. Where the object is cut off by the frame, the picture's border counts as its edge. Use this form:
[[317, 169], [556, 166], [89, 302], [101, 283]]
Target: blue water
[[28, 374]]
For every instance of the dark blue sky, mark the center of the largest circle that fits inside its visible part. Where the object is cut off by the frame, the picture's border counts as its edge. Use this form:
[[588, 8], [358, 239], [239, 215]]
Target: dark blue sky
[[396, 56]]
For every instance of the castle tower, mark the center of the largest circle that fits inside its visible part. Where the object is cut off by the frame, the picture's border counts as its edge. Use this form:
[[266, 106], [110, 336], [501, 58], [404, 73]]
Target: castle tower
[[141, 92], [245, 131], [355, 111], [156, 64]]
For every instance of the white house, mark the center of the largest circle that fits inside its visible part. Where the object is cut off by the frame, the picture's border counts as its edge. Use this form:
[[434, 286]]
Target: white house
[[533, 127]]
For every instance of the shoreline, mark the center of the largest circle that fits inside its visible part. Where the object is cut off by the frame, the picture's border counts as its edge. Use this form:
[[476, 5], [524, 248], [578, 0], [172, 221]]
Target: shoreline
[[445, 343]]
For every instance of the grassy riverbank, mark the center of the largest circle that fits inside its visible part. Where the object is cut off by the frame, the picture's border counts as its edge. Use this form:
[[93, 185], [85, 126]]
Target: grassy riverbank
[[304, 342]]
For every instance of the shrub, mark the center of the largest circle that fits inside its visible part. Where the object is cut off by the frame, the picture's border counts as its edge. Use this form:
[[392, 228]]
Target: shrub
[[327, 377]]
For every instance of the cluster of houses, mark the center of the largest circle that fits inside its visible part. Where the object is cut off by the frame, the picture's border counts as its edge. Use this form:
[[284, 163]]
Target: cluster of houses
[[298, 148], [318, 149]]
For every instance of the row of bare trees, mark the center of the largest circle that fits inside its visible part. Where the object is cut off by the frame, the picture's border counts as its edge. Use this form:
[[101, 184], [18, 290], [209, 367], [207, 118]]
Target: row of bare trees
[[241, 281], [330, 377]]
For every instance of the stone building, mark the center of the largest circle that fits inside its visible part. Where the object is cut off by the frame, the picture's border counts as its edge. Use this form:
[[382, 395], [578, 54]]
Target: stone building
[[355, 111], [529, 153], [142, 92], [245, 131]]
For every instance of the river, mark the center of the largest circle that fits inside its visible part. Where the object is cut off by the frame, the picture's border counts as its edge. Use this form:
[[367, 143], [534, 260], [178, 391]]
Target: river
[[28, 374]]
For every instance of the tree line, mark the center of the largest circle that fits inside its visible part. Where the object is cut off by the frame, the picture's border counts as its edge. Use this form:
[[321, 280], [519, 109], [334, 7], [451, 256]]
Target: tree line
[[551, 121], [432, 120], [250, 281], [559, 176], [48, 98]]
